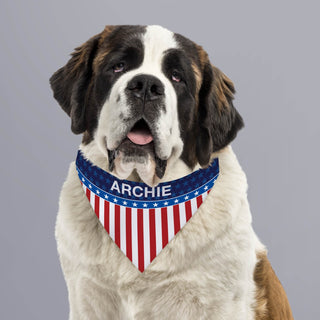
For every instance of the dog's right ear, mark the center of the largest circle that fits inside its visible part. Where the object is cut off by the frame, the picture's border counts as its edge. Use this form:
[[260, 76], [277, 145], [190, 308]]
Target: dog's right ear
[[218, 119], [70, 83]]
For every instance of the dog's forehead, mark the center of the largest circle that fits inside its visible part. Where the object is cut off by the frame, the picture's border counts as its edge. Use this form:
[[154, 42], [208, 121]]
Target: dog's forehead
[[157, 40]]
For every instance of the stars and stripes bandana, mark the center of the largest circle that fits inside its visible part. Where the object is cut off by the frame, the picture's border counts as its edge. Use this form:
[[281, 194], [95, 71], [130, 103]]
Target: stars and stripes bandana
[[140, 219]]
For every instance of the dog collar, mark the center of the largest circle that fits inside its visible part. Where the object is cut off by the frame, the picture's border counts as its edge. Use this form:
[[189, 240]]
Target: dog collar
[[142, 220]]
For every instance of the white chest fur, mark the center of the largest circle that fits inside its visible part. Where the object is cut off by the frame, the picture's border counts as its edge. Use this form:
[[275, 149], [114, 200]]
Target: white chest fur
[[205, 272]]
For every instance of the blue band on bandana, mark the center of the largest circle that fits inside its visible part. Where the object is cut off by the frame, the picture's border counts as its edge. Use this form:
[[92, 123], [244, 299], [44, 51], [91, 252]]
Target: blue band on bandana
[[138, 194]]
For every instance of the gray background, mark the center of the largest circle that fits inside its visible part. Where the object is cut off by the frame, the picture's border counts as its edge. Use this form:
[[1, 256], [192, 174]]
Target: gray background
[[270, 49]]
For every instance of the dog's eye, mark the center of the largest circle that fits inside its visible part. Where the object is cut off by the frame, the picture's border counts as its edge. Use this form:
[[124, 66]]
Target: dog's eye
[[176, 76], [119, 67]]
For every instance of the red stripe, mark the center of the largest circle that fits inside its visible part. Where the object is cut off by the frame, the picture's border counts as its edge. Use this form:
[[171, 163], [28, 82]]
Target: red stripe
[[176, 218], [152, 228], [128, 233], [164, 226], [117, 224], [88, 194], [97, 205], [199, 201], [140, 241], [106, 216], [188, 210], [208, 191]]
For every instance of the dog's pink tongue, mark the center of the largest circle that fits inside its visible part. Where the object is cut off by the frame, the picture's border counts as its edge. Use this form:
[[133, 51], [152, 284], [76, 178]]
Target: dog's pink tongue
[[140, 137]]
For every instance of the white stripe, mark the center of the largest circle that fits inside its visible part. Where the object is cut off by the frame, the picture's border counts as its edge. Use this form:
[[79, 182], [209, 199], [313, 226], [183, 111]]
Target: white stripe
[[193, 205], [170, 223], [123, 223], [182, 214], [204, 195], [146, 237], [134, 232], [101, 210], [111, 220], [84, 188], [92, 199], [158, 230]]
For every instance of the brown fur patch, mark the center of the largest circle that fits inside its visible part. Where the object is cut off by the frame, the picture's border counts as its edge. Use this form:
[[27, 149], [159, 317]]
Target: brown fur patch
[[101, 55], [271, 299], [81, 53], [105, 33], [198, 77], [223, 88], [203, 56]]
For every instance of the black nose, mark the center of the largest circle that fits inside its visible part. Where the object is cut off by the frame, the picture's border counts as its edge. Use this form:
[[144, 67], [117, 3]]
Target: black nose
[[146, 87]]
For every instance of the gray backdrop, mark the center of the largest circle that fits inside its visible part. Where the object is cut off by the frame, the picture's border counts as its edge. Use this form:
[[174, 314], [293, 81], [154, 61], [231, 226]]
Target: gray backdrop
[[270, 49]]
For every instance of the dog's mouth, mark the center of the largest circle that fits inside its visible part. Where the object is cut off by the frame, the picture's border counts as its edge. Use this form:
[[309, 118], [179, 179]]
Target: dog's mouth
[[140, 134], [137, 151]]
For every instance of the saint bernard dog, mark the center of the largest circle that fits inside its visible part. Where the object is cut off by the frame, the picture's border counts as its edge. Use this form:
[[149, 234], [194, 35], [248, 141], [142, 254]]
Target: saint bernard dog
[[152, 108]]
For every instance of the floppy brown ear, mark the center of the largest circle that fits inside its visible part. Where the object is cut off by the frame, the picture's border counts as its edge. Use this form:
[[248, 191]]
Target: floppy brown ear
[[70, 83], [218, 120]]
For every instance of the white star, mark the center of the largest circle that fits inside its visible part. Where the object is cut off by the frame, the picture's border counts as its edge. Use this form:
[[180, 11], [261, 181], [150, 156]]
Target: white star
[[186, 198], [155, 204], [106, 196], [90, 186], [166, 203], [176, 200], [115, 200], [134, 204], [124, 202], [206, 187], [196, 193], [98, 192], [144, 204], [82, 179]]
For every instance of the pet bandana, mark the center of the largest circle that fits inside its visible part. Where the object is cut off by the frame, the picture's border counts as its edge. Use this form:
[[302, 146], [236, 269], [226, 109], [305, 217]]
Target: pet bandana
[[141, 220]]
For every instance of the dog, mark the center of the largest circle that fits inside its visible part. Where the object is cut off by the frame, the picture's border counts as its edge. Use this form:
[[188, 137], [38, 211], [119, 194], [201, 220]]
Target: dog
[[153, 109]]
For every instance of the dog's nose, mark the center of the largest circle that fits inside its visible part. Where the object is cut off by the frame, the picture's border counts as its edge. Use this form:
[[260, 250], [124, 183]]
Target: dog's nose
[[146, 87]]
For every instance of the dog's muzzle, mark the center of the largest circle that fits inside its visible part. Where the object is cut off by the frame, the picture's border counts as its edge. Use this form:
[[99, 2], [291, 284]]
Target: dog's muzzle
[[145, 96]]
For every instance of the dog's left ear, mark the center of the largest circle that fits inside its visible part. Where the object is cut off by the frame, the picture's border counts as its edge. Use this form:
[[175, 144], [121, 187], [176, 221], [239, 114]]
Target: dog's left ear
[[70, 83], [218, 120]]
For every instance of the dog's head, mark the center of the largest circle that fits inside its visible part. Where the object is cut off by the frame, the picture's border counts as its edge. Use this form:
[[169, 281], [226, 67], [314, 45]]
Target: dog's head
[[146, 97]]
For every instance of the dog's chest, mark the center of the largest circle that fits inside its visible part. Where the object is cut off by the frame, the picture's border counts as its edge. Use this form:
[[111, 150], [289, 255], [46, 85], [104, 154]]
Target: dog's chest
[[215, 285], [197, 276]]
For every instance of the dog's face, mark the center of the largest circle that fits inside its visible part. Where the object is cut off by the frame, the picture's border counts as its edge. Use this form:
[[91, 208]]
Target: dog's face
[[147, 96]]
